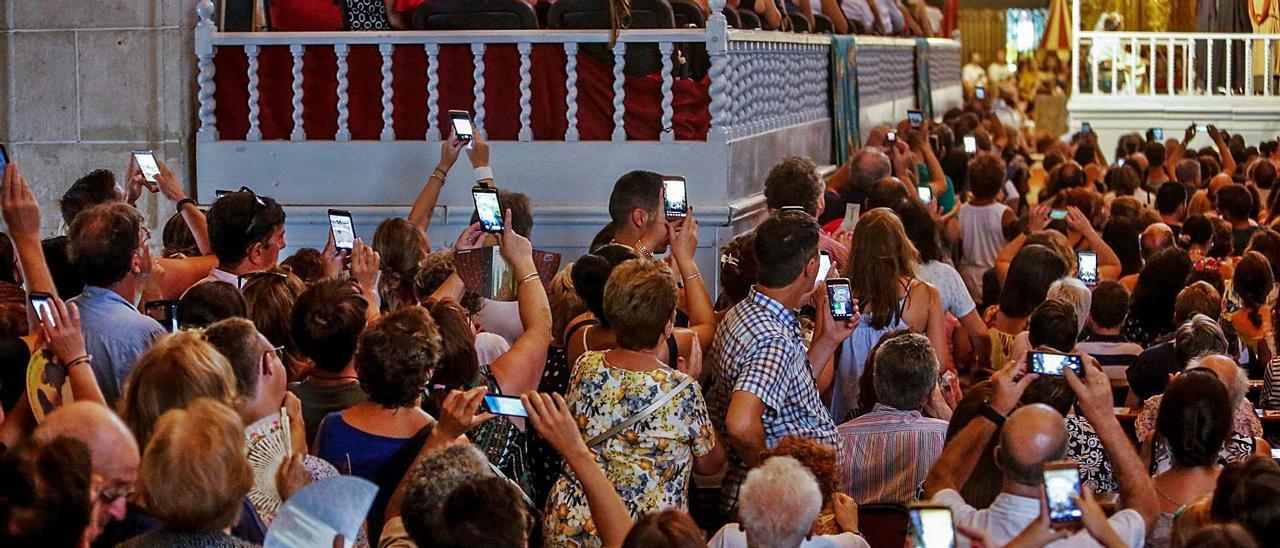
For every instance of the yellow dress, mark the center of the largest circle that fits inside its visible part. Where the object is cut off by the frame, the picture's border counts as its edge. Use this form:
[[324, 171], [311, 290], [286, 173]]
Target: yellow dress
[[1265, 17]]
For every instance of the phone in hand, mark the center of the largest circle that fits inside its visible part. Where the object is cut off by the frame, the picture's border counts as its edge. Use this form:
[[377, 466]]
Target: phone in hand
[[1061, 487], [1057, 214], [840, 298], [1087, 267], [925, 192], [462, 125], [165, 312], [4, 156], [344, 231], [851, 214], [980, 93], [1054, 363], [1157, 134], [510, 406], [488, 208], [1202, 128], [916, 118], [970, 144], [42, 303], [146, 161], [891, 137], [931, 526], [824, 266], [675, 201], [1086, 128]]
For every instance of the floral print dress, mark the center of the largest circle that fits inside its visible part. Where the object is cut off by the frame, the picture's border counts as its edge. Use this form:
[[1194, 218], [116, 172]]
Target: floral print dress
[[649, 463]]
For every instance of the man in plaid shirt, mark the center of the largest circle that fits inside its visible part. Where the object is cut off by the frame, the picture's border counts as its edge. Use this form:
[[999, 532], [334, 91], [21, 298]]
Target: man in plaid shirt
[[763, 386]]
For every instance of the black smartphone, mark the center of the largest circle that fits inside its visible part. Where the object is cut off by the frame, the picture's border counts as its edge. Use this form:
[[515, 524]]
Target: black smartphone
[[1053, 363], [840, 298], [970, 144], [891, 137], [462, 126], [925, 192], [932, 526], [488, 208], [1087, 267], [344, 230], [1061, 487], [165, 312], [42, 303], [510, 406], [4, 156], [916, 118], [675, 199], [1086, 128], [1057, 214], [220, 193], [1157, 134], [936, 144], [980, 92], [146, 161]]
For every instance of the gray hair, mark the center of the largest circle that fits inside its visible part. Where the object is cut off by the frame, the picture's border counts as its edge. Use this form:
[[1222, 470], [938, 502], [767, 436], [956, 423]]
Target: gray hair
[[1075, 292], [1187, 172], [433, 480], [778, 502], [906, 370], [868, 166], [1197, 337]]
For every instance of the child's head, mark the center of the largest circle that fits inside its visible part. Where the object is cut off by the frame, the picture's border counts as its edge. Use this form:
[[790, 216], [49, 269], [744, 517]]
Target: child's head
[[1110, 305]]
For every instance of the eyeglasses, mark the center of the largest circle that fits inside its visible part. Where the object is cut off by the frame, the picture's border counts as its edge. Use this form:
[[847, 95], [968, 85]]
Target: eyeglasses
[[243, 279], [259, 207], [108, 496], [279, 352]]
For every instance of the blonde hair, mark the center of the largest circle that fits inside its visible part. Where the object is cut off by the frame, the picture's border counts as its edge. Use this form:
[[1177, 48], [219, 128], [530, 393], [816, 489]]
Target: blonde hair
[[194, 473], [565, 302], [639, 300], [881, 254], [175, 371]]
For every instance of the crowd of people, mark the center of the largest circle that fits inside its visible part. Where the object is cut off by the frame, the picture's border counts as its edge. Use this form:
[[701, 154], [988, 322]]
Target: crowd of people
[[652, 410]]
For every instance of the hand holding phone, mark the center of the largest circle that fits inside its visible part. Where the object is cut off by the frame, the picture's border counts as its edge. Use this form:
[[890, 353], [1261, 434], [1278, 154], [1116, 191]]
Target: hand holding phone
[[1057, 214], [42, 304], [462, 125], [840, 298], [970, 145], [916, 118], [932, 526], [1086, 128], [980, 92], [1054, 363], [488, 208], [146, 161], [510, 406], [925, 192], [674, 197], [344, 232], [891, 137], [1062, 487]]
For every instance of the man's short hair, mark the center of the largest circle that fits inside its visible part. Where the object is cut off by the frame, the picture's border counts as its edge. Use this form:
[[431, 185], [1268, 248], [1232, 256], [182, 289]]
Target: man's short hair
[[1264, 173], [794, 182], [239, 220], [46, 493], [1188, 172], [1110, 304], [104, 239], [639, 300], [986, 176], [95, 188], [521, 211], [1234, 202], [1053, 324], [1170, 197], [431, 483], [1155, 153], [1197, 337], [634, 190], [868, 166], [209, 302], [906, 371], [785, 243], [327, 320], [483, 512], [236, 339], [887, 192], [778, 502]]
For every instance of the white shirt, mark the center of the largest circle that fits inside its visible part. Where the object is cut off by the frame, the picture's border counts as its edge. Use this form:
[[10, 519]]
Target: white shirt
[[502, 318], [732, 536], [974, 75], [955, 297], [1009, 514], [489, 347]]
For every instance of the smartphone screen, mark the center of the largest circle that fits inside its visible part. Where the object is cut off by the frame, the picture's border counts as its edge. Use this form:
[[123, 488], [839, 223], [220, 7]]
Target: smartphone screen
[[1057, 214], [462, 124], [932, 527], [42, 303], [970, 144], [146, 161], [1202, 128], [1087, 269], [824, 266], [936, 144], [510, 406], [221, 193], [840, 298], [344, 231], [1061, 485], [916, 118], [925, 192], [980, 92], [675, 201], [488, 208], [891, 137], [851, 214], [1157, 133], [1120, 162], [1053, 363], [1086, 127]]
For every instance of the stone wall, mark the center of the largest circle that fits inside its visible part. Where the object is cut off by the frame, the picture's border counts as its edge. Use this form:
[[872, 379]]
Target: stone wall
[[86, 82]]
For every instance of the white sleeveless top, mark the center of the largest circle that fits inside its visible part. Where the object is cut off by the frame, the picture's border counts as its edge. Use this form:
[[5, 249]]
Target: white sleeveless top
[[981, 233]]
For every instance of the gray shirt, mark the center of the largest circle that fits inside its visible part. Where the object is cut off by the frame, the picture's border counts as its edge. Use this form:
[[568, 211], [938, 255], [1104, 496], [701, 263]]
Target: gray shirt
[[115, 334]]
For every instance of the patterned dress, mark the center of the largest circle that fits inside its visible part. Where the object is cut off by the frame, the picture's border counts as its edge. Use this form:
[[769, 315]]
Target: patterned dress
[[649, 463]]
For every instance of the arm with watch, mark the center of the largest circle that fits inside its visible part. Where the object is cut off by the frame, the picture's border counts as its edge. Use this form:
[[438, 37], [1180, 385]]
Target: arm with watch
[[957, 461], [170, 186]]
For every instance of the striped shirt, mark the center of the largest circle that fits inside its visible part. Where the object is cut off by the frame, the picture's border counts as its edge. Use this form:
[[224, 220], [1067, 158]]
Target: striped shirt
[[758, 349], [886, 454], [1115, 353]]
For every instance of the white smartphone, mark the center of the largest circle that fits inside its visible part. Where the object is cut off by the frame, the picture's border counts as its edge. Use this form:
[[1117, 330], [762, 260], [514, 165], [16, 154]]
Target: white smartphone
[[851, 214], [824, 266], [146, 161], [344, 231], [925, 192], [510, 406], [42, 303]]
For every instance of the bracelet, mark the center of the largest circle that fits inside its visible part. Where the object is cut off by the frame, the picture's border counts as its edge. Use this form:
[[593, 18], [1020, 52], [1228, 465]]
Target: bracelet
[[693, 276], [436, 175], [82, 359], [186, 201], [484, 172], [441, 172], [529, 276]]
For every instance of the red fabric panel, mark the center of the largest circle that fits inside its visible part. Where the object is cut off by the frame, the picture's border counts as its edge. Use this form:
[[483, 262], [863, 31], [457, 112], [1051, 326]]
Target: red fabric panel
[[305, 15]]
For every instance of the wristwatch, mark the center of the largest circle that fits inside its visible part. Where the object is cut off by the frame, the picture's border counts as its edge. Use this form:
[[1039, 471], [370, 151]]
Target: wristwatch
[[991, 414]]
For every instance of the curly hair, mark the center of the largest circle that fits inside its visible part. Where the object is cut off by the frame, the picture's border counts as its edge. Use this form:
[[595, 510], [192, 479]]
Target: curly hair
[[820, 459], [432, 271], [397, 355]]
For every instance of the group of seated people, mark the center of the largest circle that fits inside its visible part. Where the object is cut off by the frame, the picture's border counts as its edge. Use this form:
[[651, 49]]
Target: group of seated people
[[649, 412]]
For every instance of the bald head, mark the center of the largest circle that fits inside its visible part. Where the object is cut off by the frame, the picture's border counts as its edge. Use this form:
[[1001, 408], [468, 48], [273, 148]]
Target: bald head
[[1228, 372], [1156, 237], [1033, 435], [1218, 181], [1140, 160], [868, 166], [108, 438]]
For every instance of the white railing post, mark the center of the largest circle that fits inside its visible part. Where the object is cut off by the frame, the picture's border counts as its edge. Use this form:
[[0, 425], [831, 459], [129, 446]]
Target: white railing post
[[571, 90], [1132, 68], [1169, 83], [204, 56], [1208, 65], [1189, 67], [718, 52], [344, 112], [1075, 47], [1151, 67], [526, 83], [1229, 76], [477, 55], [433, 102], [619, 92], [668, 133], [255, 133], [388, 108], [1267, 68], [298, 133], [1248, 64]]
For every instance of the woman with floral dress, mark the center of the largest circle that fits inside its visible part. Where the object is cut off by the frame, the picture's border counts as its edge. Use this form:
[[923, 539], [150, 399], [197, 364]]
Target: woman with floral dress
[[650, 461]]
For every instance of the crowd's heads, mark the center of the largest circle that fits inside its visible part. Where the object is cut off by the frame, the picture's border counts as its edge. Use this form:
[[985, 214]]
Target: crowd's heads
[[327, 319], [590, 274], [57, 255], [1033, 435], [194, 474], [46, 496], [1195, 417], [1248, 493], [95, 188], [1252, 280], [1124, 180], [1155, 153], [1171, 200], [786, 249], [400, 246], [888, 192], [564, 302], [430, 484], [114, 453], [259, 372], [522, 210], [397, 355], [1200, 296], [778, 502], [1075, 293], [483, 512], [307, 264], [794, 182], [246, 229], [1156, 238], [433, 271], [1158, 286], [868, 166], [269, 302], [640, 302], [458, 365], [668, 528], [906, 371], [1228, 372], [209, 302], [921, 229], [175, 371], [1235, 202], [880, 254], [1032, 271], [1109, 306], [1187, 172], [108, 243], [738, 268], [1053, 325], [986, 176], [178, 239], [636, 201], [1198, 336]]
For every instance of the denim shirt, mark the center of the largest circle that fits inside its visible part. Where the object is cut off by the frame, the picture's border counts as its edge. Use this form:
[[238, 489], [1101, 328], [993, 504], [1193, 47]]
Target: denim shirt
[[115, 334]]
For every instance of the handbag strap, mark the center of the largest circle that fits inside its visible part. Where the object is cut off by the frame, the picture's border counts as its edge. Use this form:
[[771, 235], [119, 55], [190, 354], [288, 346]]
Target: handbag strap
[[648, 410]]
